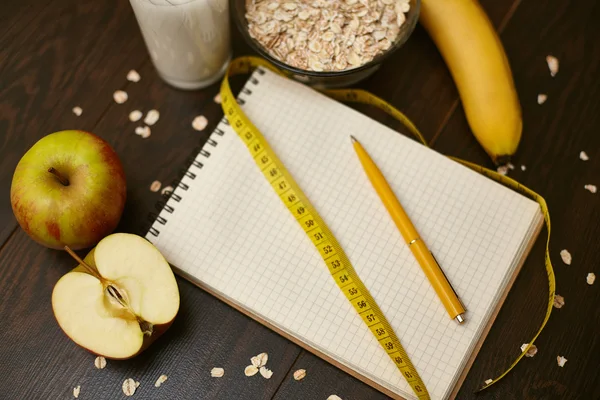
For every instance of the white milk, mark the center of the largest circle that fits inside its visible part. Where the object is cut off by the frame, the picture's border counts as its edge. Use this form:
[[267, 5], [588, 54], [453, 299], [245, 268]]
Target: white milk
[[188, 40]]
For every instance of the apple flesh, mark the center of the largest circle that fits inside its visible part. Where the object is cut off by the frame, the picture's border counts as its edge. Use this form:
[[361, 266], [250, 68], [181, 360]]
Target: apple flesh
[[69, 189], [128, 299]]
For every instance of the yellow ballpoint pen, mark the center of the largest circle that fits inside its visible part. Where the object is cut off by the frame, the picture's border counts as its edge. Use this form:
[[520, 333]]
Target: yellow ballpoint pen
[[425, 258]]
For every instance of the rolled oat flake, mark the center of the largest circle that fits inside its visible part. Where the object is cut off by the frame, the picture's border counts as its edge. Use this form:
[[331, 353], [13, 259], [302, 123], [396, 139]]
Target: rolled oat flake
[[129, 386]]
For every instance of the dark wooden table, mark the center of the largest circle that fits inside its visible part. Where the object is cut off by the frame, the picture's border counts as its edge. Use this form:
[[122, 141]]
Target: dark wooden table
[[58, 54]]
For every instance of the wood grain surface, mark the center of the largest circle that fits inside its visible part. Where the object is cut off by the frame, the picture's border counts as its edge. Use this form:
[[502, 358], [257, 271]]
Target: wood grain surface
[[65, 53]]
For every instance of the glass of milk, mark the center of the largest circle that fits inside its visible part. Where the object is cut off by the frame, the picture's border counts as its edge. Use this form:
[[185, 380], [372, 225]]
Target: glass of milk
[[188, 40]]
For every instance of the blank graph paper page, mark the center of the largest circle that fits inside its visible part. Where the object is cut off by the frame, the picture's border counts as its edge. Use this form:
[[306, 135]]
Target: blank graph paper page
[[231, 232]]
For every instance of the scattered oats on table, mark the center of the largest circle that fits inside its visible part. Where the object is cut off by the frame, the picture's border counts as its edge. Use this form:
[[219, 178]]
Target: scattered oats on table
[[265, 372], [129, 386], [583, 155], [590, 278], [133, 76], [523, 168], [566, 256], [143, 131], [250, 370], [77, 111], [120, 96], [561, 361], [151, 117], [76, 391], [502, 170], [299, 374], [559, 301], [217, 372], [199, 123], [325, 35], [167, 189], [100, 362], [334, 397], [552, 65], [591, 188], [532, 350], [135, 115], [488, 381], [155, 186], [161, 379], [217, 98], [541, 99], [260, 360]]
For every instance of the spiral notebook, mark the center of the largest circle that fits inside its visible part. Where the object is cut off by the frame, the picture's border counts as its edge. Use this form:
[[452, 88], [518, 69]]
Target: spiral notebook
[[225, 229]]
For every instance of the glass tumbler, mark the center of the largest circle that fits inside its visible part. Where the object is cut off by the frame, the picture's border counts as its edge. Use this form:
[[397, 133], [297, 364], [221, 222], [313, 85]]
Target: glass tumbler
[[188, 40]]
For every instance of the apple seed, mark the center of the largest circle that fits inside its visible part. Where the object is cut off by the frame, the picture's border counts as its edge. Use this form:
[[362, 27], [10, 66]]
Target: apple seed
[[217, 372], [76, 391], [100, 362], [155, 186], [133, 76], [151, 117], [161, 379], [120, 96], [129, 386]]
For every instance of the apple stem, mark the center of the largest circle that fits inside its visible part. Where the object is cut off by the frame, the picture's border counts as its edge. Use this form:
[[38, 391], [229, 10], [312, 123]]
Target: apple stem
[[61, 179], [84, 264]]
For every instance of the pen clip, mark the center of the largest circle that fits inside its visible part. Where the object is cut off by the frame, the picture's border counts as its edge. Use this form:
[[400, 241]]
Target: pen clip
[[448, 280]]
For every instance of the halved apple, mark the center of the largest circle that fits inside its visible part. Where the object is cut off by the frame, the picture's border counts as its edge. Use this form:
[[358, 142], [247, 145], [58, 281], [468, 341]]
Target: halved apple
[[120, 299]]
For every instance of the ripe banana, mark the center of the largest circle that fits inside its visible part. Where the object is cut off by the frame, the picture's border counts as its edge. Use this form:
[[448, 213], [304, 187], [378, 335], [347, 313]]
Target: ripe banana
[[476, 59]]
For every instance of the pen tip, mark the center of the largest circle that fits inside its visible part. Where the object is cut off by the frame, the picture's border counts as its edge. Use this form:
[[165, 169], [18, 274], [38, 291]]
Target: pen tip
[[353, 138]]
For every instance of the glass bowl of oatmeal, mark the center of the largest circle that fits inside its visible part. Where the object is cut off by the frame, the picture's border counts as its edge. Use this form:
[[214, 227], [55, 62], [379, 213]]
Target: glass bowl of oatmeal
[[326, 43]]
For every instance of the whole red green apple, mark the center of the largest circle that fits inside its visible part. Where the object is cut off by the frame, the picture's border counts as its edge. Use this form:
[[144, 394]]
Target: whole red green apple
[[69, 189]]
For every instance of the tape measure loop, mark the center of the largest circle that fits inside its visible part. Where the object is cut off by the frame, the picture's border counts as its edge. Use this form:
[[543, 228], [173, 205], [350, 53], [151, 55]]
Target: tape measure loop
[[313, 225]]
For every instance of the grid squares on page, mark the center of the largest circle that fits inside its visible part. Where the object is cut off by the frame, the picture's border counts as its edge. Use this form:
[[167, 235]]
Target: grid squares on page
[[449, 204], [290, 148]]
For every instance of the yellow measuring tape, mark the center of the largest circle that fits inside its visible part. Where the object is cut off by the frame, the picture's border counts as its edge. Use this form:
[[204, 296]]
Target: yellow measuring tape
[[313, 225]]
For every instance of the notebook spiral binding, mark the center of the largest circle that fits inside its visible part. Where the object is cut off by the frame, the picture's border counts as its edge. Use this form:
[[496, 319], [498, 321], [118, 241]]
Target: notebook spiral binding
[[186, 170]]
